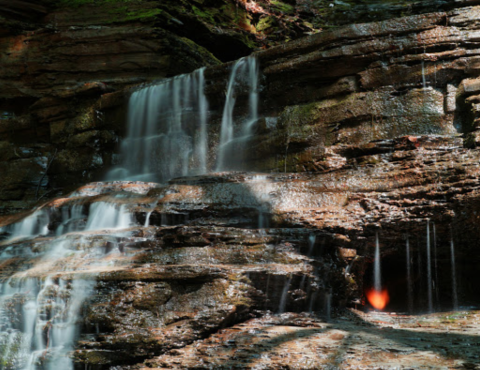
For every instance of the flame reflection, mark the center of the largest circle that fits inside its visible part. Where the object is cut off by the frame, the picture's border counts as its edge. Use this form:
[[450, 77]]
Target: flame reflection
[[378, 299]]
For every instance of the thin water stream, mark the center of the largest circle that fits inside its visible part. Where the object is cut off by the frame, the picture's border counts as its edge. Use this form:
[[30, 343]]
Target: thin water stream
[[454, 276], [429, 271], [409, 278]]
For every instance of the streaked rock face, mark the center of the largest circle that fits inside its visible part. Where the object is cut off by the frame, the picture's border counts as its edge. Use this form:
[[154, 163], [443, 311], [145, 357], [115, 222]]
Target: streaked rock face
[[170, 264], [406, 76], [366, 130]]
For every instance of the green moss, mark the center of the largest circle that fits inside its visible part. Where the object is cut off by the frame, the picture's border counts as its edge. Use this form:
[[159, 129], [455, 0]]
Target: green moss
[[207, 55], [280, 6], [207, 16], [267, 24], [141, 14]]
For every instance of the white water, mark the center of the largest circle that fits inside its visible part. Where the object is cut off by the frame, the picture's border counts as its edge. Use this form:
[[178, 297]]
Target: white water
[[167, 131], [244, 75], [72, 219], [454, 276], [424, 81], [43, 323], [39, 316], [429, 271], [167, 126], [377, 277], [104, 215], [31, 226]]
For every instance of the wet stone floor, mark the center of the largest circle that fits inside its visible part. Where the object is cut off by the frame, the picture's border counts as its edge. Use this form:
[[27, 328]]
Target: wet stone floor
[[351, 339]]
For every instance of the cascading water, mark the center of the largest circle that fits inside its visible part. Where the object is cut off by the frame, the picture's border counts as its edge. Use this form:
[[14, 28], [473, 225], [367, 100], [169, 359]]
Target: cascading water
[[39, 312], [48, 327], [167, 131], [72, 219], [31, 226], [167, 126], [244, 75], [104, 215]]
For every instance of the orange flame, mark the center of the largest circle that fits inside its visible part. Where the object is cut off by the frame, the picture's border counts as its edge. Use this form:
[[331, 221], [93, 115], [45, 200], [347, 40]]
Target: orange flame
[[378, 299]]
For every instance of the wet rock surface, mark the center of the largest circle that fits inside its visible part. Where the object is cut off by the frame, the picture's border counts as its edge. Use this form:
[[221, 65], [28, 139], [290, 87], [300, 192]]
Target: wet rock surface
[[202, 273], [349, 340], [368, 135], [65, 85]]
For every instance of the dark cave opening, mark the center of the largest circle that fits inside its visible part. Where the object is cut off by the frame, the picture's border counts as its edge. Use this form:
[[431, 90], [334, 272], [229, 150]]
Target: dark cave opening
[[449, 290]]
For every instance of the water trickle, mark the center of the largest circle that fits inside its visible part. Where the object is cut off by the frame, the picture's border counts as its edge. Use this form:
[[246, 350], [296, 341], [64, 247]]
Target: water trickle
[[167, 131], [312, 290], [377, 278], [409, 278], [419, 285], [244, 75], [429, 271], [283, 300], [377, 296], [147, 219], [424, 81], [435, 266], [149, 214], [454, 276], [328, 304], [262, 220], [311, 243]]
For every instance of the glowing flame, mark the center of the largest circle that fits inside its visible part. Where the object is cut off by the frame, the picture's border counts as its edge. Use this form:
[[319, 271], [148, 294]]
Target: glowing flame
[[378, 299]]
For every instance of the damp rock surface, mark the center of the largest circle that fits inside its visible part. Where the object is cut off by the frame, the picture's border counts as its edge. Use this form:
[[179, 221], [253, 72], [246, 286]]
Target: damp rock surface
[[349, 340], [244, 270], [362, 148]]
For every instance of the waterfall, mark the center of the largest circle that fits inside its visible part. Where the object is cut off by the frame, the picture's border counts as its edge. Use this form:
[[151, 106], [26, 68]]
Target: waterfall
[[72, 219], [39, 312], [31, 226], [244, 75], [167, 131], [167, 126], [104, 215], [429, 270], [46, 328]]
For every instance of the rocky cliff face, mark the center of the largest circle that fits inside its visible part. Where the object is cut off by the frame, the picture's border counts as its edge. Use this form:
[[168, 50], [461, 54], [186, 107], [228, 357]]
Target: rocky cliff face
[[59, 57], [368, 134]]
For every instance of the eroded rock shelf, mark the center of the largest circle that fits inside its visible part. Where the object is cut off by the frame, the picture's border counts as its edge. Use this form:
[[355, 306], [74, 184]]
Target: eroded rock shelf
[[363, 148]]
